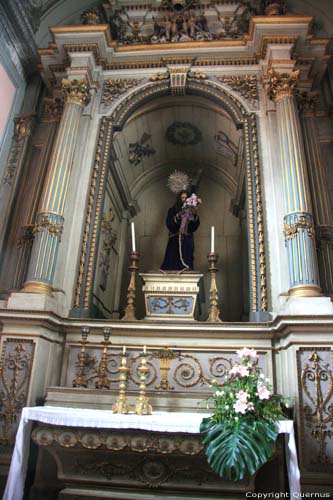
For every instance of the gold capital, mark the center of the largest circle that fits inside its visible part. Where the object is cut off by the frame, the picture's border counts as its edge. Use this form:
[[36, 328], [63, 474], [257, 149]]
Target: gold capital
[[76, 91], [280, 85]]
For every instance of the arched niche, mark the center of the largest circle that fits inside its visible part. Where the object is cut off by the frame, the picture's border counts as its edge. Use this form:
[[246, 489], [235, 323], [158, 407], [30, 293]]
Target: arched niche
[[230, 187]]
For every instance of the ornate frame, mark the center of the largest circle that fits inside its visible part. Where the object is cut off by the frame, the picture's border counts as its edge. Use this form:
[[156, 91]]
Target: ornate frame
[[109, 124]]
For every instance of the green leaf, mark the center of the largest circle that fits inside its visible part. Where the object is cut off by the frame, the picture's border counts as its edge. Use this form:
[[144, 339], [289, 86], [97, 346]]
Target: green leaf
[[236, 450]]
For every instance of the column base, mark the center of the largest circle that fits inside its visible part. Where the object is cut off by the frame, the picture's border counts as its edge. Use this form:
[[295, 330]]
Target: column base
[[37, 287], [305, 306], [305, 291]]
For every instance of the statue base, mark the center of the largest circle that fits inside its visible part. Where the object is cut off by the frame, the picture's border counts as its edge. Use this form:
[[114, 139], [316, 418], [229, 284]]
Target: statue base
[[171, 296]]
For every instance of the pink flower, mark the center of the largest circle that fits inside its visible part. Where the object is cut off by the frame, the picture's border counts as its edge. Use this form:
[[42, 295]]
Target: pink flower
[[250, 406], [247, 353], [242, 396], [241, 370], [240, 407], [263, 392]]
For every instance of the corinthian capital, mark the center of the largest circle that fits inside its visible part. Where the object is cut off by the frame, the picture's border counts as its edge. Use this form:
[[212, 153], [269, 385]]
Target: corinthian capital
[[76, 91], [280, 85]]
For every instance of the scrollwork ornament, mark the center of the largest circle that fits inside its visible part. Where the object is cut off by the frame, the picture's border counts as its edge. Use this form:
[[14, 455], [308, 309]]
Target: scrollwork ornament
[[307, 101], [189, 372], [15, 373], [91, 17], [317, 385], [280, 85], [76, 92], [219, 366]]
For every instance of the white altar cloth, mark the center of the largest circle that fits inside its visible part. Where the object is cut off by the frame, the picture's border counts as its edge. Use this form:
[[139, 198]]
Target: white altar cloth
[[158, 422]]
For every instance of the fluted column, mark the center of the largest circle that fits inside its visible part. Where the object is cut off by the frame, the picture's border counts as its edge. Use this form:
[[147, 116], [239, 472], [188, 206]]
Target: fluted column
[[298, 221], [50, 219], [322, 211]]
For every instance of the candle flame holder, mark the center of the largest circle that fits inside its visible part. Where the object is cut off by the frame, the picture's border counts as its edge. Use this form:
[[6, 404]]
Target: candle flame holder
[[131, 291], [103, 382], [214, 312], [80, 379], [142, 406], [121, 405]]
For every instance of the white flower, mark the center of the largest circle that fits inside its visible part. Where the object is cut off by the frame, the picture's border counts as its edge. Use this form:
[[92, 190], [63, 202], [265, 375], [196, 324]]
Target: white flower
[[227, 407], [262, 375]]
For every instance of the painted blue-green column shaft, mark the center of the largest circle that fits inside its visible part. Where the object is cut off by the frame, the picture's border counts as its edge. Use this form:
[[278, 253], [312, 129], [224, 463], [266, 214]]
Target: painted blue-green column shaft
[[298, 221], [50, 219], [322, 211]]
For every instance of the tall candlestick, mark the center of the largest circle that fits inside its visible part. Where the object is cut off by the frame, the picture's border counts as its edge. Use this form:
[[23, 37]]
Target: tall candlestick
[[144, 349], [124, 349], [212, 240], [133, 237]]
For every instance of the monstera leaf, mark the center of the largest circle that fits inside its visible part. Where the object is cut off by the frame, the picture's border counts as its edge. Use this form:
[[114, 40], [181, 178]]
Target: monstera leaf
[[236, 450]]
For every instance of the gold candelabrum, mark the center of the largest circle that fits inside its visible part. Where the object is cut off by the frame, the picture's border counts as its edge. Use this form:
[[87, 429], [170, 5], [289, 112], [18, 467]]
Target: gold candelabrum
[[142, 406], [121, 405], [214, 312], [80, 379], [131, 291], [103, 382]]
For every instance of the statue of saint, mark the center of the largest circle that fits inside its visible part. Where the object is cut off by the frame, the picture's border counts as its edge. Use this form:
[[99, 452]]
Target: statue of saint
[[182, 221]]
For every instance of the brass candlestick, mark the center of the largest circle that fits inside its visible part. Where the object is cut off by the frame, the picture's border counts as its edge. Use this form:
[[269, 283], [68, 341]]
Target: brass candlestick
[[142, 406], [214, 312], [130, 306], [80, 379], [121, 405], [103, 382]]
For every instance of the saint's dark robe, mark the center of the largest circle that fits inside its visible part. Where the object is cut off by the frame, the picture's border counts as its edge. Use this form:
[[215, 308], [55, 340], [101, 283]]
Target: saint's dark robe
[[172, 259]]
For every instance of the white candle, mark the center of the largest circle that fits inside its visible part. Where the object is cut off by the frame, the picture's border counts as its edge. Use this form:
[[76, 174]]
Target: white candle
[[212, 240], [124, 349], [133, 237], [144, 349]]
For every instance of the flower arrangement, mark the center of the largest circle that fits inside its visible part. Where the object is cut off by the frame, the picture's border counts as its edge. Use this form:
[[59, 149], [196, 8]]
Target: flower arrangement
[[192, 201], [190, 205], [239, 437]]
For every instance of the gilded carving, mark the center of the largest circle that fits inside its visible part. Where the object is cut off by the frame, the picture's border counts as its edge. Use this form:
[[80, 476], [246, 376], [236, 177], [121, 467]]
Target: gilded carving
[[307, 101], [90, 16], [15, 371], [109, 239], [274, 7], [160, 76], [301, 223], [113, 89], [246, 85], [279, 85], [53, 228], [23, 126], [165, 357], [316, 378], [53, 109], [76, 91], [88, 221]]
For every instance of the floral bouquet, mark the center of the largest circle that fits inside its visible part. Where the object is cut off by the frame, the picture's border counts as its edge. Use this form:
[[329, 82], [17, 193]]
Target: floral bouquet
[[189, 206], [239, 437]]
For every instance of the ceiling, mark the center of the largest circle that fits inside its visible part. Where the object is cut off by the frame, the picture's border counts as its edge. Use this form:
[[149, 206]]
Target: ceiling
[[194, 135]]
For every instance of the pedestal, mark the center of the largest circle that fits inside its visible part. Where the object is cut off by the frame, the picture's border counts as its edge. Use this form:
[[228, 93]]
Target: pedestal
[[170, 297]]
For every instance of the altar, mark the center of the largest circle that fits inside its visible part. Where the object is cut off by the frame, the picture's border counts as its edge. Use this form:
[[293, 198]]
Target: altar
[[158, 449]]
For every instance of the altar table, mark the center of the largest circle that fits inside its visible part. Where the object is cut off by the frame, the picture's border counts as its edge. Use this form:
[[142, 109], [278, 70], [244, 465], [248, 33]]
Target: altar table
[[158, 422]]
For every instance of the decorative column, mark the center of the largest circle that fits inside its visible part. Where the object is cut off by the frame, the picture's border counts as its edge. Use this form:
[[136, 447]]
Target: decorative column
[[322, 211], [53, 109], [50, 219], [298, 221], [23, 128]]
